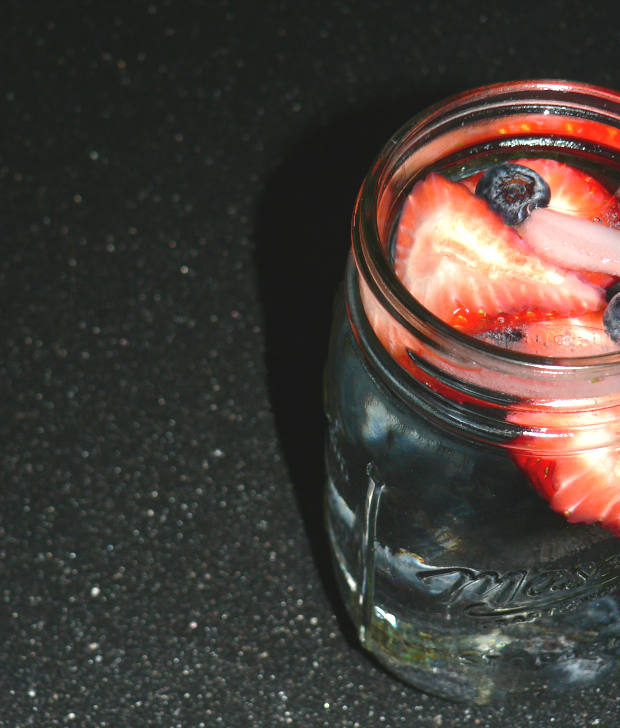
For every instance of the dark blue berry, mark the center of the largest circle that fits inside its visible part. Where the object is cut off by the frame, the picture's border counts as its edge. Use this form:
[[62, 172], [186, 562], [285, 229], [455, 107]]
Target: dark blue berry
[[513, 190], [611, 319], [612, 290]]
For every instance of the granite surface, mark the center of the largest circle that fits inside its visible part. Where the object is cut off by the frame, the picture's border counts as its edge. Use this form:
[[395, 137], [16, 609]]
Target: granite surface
[[177, 181]]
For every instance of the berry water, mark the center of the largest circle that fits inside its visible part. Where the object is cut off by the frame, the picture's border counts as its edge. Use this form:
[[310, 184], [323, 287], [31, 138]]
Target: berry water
[[458, 573]]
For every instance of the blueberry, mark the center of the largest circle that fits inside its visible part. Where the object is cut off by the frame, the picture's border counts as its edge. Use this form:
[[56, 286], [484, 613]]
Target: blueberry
[[612, 290], [611, 319], [513, 190]]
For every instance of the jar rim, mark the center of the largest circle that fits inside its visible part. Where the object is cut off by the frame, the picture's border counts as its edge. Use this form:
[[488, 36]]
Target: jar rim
[[369, 249]]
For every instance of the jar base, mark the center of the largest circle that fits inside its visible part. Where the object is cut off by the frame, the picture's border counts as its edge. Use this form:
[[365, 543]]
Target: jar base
[[484, 676], [467, 635]]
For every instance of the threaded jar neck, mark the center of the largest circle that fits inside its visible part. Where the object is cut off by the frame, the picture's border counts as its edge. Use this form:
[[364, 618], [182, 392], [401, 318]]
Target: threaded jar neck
[[464, 382]]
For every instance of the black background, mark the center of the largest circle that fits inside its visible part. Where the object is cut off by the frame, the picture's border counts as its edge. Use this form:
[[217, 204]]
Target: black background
[[176, 183]]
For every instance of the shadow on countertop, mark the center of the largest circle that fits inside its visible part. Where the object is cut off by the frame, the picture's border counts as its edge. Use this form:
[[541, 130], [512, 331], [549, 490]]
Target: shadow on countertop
[[302, 242]]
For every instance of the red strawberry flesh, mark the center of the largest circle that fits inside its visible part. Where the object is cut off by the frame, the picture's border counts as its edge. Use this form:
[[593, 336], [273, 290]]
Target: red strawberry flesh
[[461, 261], [573, 192]]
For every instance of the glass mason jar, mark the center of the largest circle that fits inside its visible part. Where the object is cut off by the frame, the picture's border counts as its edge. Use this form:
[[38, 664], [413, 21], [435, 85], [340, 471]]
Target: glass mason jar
[[458, 576]]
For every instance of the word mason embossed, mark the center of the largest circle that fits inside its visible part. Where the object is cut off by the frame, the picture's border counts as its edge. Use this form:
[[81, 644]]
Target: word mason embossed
[[490, 594]]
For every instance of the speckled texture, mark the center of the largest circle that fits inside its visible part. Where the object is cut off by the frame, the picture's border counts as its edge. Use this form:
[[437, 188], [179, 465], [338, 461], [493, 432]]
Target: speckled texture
[[176, 186]]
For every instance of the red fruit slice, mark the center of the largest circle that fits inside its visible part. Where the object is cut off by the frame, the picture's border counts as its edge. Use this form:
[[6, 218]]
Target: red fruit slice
[[584, 488], [459, 260], [567, 242], [552, 124], [517, 126], [580, 481], [573, 192], [604, 280]]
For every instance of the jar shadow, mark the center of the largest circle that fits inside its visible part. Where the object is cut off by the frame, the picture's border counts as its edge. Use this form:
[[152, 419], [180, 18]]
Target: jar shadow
[[302, 236]]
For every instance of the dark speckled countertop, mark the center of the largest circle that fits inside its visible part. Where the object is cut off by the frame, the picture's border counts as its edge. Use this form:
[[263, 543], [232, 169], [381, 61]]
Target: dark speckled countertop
[[177, 181]]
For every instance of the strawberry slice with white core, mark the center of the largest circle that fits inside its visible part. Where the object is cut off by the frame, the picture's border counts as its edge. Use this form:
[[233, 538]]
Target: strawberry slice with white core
[[462, 262], [585, 488], [572, 242], [578, 479], [573, 192]]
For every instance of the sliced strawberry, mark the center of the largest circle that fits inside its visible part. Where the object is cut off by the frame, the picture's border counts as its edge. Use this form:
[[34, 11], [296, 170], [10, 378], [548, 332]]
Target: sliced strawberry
[[556, 125], [584, 488], [459, 260], [577, 479], [554, 234], [592, 243], [604, 280], [573, 192], [525, 125]]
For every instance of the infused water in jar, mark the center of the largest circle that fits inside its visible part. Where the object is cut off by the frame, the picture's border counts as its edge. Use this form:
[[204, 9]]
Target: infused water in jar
[[473, 398]]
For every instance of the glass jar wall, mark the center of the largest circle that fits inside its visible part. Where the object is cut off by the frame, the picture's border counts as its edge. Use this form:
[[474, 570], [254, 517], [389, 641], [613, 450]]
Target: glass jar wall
[[458, 576]]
